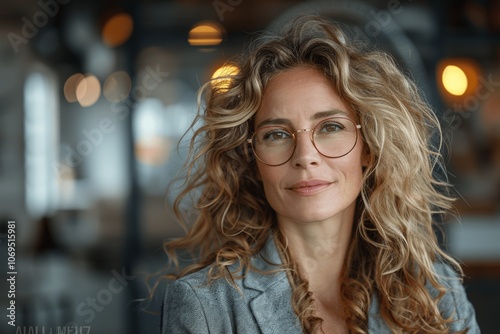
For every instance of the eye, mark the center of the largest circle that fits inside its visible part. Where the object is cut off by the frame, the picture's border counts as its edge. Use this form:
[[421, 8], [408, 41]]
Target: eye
[[331, 127], [276, 134]]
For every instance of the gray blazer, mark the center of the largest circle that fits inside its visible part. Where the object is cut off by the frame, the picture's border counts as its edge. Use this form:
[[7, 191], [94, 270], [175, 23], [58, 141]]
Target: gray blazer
[[191, 306]]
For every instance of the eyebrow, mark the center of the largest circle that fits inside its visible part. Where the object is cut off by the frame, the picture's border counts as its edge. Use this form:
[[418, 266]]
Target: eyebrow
[[317, 116]]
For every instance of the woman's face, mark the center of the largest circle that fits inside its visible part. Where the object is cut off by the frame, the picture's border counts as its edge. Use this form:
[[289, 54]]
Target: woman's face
[[309, 187]]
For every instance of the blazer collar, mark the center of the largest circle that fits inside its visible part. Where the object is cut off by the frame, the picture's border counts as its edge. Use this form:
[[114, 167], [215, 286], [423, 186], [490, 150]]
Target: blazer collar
[[267, 260], [271, 306]]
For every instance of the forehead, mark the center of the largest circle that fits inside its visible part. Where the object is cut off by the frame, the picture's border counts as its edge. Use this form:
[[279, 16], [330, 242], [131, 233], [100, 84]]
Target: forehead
[[298, 94]]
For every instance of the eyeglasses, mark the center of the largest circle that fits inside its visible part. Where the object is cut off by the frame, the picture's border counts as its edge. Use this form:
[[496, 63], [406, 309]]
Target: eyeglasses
[[333, 138]]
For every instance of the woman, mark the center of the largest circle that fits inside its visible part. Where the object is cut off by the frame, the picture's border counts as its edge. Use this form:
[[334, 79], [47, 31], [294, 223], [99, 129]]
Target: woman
[[315, 195]]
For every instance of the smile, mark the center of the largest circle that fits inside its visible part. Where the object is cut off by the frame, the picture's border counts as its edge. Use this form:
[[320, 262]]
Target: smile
[[309, 187]]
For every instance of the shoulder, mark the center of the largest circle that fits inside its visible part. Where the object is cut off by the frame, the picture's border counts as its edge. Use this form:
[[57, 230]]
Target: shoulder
[[193, 305], [198, 289], [455, 303], [198, 278], [182, 310], [198, 286]]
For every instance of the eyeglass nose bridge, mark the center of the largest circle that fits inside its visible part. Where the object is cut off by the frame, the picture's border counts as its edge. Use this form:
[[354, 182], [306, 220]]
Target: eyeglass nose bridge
[[311, 138], [304, 130]]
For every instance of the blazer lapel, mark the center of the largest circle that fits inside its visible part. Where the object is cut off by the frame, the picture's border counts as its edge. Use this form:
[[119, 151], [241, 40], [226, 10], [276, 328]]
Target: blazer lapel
[[271, 307]]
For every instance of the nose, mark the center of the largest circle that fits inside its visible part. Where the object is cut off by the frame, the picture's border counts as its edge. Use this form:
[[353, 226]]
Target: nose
[[305, 154]]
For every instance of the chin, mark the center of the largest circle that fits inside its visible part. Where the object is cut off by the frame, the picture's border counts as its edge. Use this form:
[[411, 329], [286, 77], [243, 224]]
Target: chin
[[310, 217]]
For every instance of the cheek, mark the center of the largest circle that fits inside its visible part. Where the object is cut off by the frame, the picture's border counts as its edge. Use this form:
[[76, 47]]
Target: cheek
[[266, 173], [365, 156], [361, 154], [358, 174], [353, 170], [269, 176]]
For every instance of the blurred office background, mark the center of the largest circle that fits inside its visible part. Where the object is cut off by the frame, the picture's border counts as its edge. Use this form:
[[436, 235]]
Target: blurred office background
[[95, 95]]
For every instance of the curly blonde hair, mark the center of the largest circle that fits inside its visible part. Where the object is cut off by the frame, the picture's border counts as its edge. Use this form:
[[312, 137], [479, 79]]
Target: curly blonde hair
[[394, 246]]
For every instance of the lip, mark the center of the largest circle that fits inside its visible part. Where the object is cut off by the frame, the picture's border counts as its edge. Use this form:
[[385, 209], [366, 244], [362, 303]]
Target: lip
[[309, 187]]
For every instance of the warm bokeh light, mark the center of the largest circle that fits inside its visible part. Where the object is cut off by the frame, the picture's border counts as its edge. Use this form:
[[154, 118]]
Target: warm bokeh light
[[117, 29], [205, 34], [458, 81], [221, 78], [454, 80], [70, 87], [117, 86], [88, 90]]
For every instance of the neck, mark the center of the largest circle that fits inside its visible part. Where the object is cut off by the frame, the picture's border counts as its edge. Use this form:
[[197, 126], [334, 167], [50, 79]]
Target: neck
[[319, 249]]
